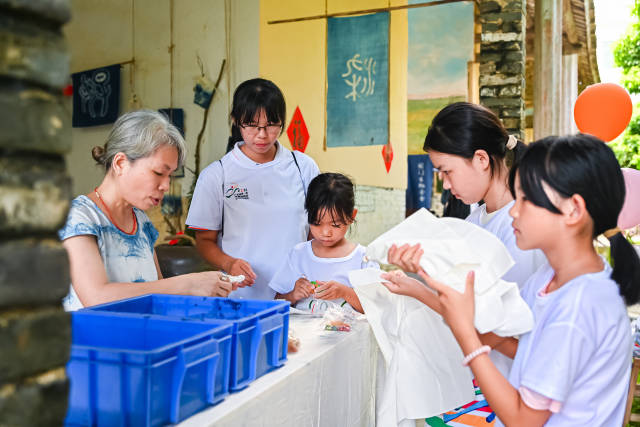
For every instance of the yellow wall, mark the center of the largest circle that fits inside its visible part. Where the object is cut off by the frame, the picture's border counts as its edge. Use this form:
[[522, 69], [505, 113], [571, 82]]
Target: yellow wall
[[293, 56], [100, 35]]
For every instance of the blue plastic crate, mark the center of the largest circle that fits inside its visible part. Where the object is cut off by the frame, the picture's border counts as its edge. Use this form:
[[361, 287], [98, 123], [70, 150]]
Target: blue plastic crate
[[261, 328], [144, 371]]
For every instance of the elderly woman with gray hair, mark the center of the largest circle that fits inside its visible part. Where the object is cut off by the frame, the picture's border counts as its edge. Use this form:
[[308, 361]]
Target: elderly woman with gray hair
[[108, 237]]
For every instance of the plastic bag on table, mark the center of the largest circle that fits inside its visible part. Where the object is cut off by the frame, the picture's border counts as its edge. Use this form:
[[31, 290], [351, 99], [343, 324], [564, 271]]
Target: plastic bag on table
[[339, 317]]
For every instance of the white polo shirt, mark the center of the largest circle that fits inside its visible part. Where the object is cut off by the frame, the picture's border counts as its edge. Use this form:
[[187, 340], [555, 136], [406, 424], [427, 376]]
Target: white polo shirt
[[262, 207]]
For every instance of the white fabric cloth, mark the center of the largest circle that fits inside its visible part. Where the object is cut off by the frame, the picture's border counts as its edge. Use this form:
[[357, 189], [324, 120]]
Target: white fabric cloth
[[452, 247], [579, 352], [423, 373], [126, 257], [263, 209], [329, 382], [302, 262], [499, 223]]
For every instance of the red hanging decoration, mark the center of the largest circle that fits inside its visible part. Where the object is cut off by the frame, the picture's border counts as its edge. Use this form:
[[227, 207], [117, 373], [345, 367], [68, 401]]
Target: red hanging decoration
[[297, 132], [387, 155], [67, 90]]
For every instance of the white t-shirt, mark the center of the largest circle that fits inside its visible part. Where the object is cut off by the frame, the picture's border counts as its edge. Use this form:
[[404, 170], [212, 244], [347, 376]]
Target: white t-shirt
[[499, 223], [302, 262], [126, 257], [263, 206], [579, 351], [526, 262]]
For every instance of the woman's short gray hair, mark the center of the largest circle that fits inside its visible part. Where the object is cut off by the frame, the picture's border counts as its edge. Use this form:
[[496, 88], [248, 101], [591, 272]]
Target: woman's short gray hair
[[139, 134]]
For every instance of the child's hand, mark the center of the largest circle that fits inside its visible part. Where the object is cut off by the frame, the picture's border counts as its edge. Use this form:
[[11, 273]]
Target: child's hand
[[457, 309], [302, 289], [406, 257], [330, 290], [401, 284]]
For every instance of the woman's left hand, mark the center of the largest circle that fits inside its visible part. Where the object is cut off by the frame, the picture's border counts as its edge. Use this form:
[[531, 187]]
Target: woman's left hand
[[330, 290], [458, 309]]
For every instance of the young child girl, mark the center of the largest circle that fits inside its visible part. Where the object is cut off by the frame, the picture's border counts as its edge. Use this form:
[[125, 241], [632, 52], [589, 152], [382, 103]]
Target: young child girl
[[573, 367], [248, 208], [317, 270]]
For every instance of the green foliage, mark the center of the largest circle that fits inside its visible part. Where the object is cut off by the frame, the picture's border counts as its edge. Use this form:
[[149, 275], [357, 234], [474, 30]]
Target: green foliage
[[627, 150], [627, 53]]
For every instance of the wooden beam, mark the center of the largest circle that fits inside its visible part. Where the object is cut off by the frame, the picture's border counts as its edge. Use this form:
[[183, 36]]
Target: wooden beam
[[365, 11]]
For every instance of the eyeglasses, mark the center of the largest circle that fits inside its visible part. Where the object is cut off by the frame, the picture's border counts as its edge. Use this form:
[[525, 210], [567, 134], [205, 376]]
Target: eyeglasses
[[270, 128]]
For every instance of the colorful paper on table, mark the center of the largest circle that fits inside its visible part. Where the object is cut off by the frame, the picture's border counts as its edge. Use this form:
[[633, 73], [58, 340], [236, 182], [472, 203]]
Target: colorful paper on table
[[476, 413]]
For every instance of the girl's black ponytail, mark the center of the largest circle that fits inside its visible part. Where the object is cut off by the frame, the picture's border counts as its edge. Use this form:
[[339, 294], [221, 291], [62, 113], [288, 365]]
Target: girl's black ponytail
[[626, 268]]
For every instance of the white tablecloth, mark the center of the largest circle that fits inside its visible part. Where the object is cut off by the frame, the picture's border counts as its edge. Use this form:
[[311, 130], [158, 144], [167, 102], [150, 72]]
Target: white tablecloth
[[330, 381]]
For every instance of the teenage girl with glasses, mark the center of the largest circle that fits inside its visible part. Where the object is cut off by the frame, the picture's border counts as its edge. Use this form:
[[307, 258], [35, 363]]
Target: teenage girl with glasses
[[248, 207]]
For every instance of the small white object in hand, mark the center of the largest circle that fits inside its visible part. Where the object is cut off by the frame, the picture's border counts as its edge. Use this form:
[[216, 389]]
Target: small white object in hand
[[233, 279]]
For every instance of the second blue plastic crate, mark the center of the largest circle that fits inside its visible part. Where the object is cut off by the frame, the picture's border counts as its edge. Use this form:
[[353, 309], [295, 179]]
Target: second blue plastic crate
[[261, 328]]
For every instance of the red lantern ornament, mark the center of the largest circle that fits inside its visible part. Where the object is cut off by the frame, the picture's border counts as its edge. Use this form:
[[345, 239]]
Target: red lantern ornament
[[297, 132], [387, 155]]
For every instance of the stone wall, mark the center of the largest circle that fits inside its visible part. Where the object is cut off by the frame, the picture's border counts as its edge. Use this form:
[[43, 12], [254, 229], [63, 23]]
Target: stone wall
[[35, 332], [502, 61], [379, 209]]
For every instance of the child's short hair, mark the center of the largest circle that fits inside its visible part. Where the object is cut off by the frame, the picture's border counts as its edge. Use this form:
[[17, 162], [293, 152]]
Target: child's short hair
[[332, 193], [583, 165], [254, 95]]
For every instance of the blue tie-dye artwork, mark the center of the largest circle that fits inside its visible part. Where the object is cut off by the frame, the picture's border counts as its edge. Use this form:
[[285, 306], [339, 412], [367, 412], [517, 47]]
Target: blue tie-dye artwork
[[358, 80], [126, 257]]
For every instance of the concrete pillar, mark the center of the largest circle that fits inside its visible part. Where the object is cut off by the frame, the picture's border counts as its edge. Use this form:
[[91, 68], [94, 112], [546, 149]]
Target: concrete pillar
[[568, 94], [548, 68]]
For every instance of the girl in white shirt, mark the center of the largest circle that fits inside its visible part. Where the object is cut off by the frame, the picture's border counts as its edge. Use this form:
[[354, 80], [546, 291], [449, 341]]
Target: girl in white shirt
[[317, 270], [248, 207], [472, 150], [573, 368]]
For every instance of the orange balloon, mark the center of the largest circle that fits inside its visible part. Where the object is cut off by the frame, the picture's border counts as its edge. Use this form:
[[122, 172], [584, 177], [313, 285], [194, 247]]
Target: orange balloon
[[603, 110]]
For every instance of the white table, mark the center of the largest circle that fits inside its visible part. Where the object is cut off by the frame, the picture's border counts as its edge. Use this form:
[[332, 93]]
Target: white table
[[330, 381]]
